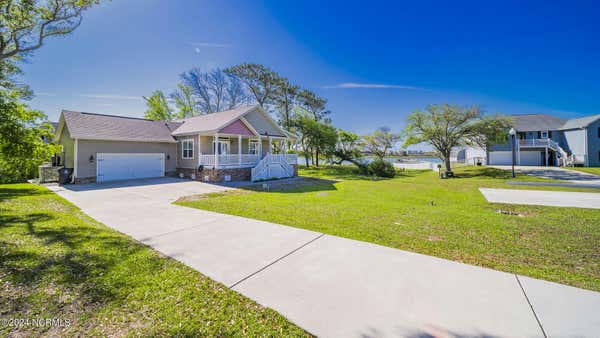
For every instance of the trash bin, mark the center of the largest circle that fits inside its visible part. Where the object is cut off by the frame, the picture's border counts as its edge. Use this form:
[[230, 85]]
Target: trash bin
[[64, 175]]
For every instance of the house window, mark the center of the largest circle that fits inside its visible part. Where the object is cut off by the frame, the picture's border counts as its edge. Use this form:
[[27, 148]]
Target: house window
[[253, 147], [187, 149], [544, 134], [598, 132]]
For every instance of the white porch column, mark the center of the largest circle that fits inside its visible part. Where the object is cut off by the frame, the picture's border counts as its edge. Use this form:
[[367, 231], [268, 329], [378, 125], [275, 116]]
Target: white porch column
[[270, 144], [240, 150], [259, 147], [216, 150], [199, 151], [546, 156]]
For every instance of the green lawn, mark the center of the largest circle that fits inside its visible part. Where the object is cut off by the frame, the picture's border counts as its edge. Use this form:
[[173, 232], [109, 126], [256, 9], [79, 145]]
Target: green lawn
[[589, 170], [416, 211], [55, 262]]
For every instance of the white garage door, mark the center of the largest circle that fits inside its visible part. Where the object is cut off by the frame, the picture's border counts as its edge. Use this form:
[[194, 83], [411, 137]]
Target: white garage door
[[501, 158], [114, 166], [531, 158]]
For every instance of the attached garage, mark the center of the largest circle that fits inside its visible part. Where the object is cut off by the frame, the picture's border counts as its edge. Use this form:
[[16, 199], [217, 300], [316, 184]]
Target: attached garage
[[108, 148], [531, 158], [500, 158], [124, 166]]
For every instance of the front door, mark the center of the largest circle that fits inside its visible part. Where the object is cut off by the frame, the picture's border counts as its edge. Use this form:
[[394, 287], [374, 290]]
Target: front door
[[223, 148]]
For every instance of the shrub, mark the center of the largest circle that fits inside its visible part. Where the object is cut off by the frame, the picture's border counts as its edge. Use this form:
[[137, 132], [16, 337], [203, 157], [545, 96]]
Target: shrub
[[382, 168]]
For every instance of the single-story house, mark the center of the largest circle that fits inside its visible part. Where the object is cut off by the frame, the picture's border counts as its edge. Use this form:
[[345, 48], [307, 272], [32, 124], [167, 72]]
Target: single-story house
[[239, 144], [545, 140]]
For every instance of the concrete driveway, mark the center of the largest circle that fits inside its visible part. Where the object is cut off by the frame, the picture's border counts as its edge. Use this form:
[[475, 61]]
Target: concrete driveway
[[540, 197], [557, 173], [335, 287]]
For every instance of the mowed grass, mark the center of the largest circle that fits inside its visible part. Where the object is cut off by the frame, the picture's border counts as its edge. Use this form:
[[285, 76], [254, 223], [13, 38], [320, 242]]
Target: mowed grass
[[450, 218], [589, 170], [56, 262]]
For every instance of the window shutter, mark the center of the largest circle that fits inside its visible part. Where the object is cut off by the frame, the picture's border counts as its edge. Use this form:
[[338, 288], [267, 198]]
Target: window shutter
[[539, 134]]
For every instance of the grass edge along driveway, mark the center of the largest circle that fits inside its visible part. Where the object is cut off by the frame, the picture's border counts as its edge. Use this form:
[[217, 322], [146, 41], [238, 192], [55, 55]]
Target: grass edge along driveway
[[418, 212], [58, 263]]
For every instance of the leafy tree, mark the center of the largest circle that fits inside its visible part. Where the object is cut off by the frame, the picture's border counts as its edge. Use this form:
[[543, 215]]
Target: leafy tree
[[348, 148], [158, 108], [215, 90], [315, 137], [381, 142], [25, 24], [447, 126], [285, 99], [22, 149], [185, 101], [262, 82], [314, 104]]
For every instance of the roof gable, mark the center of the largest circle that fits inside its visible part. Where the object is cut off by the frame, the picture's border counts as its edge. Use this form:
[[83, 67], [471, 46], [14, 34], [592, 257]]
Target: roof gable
[[580, 122], [255, 116], [114, 128], [237, 127]]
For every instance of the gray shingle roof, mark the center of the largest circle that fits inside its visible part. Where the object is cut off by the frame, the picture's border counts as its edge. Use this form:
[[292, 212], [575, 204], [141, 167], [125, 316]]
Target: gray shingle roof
[[210, 122], [580, 122], [535, 122], [116, 128]]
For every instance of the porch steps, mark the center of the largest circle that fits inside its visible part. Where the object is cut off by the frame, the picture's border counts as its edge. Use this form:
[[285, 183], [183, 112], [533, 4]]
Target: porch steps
[[272, 166]]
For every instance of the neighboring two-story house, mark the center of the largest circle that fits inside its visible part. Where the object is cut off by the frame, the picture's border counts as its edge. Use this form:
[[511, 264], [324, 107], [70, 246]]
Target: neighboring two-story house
[[545, 140]]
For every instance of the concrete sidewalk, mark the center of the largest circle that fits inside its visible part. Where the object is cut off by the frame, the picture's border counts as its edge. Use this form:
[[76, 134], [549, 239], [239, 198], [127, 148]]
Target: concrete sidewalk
[[335, 287], [543, 197]]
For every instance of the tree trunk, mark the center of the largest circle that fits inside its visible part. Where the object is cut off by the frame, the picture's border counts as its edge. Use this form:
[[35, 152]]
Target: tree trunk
[[306, 158], [447, 162], [317, 157]]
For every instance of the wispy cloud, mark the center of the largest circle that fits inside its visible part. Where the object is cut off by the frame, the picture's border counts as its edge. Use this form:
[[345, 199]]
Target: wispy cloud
[[352, 85], [43, 94], [197, 50], [210, 44], [111, 97]]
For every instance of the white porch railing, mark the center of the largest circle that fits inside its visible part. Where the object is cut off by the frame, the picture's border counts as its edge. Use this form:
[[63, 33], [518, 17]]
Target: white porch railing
[[229, 161], [538, 142], [274, 166]]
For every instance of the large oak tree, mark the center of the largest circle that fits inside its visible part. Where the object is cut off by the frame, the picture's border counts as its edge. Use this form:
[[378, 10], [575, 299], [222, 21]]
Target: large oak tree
[[447, 126]]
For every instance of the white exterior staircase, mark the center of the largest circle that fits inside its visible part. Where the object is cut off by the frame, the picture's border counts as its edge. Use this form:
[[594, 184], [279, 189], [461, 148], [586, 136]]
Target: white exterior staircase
[[274, 166]]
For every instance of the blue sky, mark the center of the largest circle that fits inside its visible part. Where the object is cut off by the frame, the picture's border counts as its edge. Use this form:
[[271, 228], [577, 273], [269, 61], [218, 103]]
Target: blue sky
[[375, 62]]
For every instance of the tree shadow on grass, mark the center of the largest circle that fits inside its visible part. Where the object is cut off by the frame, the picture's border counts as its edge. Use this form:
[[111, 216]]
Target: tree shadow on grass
[[10, 193], [479, 172], [301, 184], [349, 173], [74, 257]]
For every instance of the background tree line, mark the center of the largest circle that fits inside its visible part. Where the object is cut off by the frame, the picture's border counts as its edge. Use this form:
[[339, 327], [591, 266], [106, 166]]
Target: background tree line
[[24, 27]]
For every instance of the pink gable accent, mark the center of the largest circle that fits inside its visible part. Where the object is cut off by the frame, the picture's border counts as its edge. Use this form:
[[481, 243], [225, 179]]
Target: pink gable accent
[[237, 127]]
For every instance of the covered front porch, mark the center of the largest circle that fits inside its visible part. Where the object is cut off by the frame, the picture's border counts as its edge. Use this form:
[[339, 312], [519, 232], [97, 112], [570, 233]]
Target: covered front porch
[[225, 151], [544, 152]]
